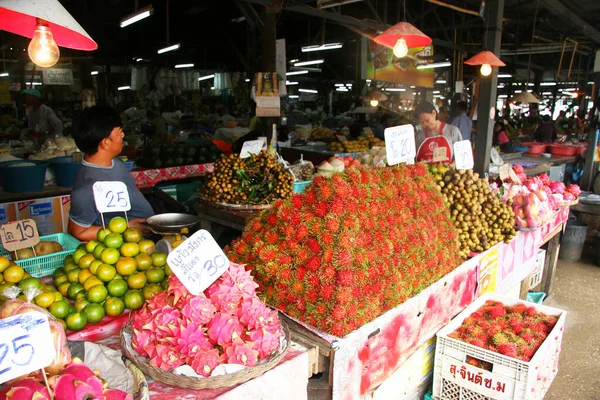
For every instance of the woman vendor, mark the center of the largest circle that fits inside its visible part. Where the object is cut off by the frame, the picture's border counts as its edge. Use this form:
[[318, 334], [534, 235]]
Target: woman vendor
[[433, 134]]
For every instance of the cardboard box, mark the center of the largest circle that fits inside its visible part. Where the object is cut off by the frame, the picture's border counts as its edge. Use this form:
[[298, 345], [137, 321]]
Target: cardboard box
[[8, 213], [46, 212]]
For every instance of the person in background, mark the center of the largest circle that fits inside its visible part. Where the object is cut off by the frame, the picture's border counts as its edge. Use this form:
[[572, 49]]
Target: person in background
[[546, 132], [434, 133], [385, 121], [99, 136], [41, 119], [462, 120], [443, 115], [500, 136]]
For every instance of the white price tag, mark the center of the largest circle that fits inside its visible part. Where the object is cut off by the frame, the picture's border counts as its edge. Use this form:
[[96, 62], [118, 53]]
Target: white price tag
[[400, 144], [251, 147], [439, 154], [26, 345], [496, 159], [111, 196], [198, 262], [514, 177], [463, 155], [504, 171], [19, 234], [263, 139]]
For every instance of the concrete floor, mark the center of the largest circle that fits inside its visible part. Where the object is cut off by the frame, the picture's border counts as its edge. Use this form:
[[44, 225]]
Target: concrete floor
[[577, 290]]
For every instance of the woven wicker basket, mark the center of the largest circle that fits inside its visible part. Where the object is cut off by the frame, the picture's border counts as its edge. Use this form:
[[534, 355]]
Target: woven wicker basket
[[215, 382]]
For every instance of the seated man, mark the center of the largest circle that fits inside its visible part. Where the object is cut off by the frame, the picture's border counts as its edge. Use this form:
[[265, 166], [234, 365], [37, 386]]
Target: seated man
[[99, 136]]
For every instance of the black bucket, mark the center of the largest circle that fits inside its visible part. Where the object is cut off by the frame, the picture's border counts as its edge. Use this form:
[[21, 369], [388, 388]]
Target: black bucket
[[571, 245]]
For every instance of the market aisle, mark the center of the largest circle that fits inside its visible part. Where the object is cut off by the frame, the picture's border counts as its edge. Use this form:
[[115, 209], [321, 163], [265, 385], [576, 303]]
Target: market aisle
[[577, 290]]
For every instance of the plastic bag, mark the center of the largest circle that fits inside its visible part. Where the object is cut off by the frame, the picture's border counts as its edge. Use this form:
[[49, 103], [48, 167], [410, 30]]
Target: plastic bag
[[302, 170]]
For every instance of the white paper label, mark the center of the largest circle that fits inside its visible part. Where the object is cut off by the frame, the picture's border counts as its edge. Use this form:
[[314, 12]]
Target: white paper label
[[496, 159], [263, 139], [400, 144], [514, 177], [463, 154], [251, 147], [478, 380], [439, 154], [111, 196], [19, 234], [26, 345], [504, 171], [198, 262]]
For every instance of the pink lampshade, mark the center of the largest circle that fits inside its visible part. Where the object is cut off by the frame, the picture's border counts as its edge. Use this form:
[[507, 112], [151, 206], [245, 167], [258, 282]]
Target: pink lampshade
[[485, 57], [412, 36], [20, 17]]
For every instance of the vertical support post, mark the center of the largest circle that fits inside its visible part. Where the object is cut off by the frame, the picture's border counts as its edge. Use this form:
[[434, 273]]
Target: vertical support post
[[487, 94], [269, 37]]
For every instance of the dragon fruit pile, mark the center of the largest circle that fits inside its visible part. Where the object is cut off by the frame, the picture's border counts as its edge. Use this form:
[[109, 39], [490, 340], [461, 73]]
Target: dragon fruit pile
[[227, 324], [514, 331], [75, 382]]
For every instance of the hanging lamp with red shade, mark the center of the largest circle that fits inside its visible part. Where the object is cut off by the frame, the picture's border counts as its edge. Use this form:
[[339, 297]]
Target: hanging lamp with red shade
[[48, 24], [403, 36], [487, 60]]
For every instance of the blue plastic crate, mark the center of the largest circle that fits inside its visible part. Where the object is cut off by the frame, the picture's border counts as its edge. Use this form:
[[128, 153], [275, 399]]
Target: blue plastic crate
[[299, 187]]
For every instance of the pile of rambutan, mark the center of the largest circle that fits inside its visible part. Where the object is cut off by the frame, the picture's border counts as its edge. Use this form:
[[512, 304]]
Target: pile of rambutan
[[351, 246], [514, 331]]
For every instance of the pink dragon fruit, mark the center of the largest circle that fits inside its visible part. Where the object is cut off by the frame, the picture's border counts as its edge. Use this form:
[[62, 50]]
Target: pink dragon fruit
[[141, 340], [205, 361], [557, 187], [198, 309], [225, 296], [192, 339], [27, 388], [545, 179], [256, 314], [167, 356], [224, 328], [263, 341], [575, 190], [240, 352], [177, 290], [241, 278], [568, 196], [165, 322], [113, 394]]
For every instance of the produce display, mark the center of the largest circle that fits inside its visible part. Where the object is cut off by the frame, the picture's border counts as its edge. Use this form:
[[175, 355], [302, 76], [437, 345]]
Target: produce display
[[178, 154], [103, 277], [321, 133], [43, 248], [362, 143], [258, 179], [75, 382], [376, 157], [57, 147], [516, 143], [336, 164], [302, 170], [351, 246], [227, 324], [514, 331], [479, 216]]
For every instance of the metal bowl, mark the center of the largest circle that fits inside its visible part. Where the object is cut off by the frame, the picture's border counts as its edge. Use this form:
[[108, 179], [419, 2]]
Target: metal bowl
[[171, 222]]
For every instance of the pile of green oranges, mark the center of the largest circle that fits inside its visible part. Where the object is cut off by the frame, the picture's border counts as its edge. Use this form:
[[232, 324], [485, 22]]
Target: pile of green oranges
[[102, 277], [13, 275]]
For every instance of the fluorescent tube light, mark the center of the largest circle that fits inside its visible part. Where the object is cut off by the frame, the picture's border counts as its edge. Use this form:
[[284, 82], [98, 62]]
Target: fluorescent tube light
[[396, 90], [212, 88], [169, 48], [247, 80], [504, 76], [139, 59], [436, 92], [33, 84], [94, 73], [308, 90], [124, 87], [546, 93], [189, 65], [3, 74], [290, 83], [570, 90], [368, 80], [297, 72], [327, 46], [339, 84], [435, 65], [548, 84], [341, 89], [309, 62], [441, 81], [518, 91], [205, 77], [349, 84], [293, 96], [295, 60], [503, 96], [136, 16]]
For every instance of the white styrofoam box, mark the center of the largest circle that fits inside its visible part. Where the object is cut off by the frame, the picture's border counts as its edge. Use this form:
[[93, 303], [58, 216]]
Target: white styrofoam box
[[510, 379], [514, 292], [536, 276]]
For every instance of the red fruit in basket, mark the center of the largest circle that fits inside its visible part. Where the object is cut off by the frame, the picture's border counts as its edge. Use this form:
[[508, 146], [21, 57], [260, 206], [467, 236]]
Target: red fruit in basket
[[508, 349], [113, 394], [205, 361]]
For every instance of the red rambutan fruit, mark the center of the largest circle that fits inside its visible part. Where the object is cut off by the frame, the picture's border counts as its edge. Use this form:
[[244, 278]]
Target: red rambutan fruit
[[285, 274], [313, 264], [332, 224], [508, 349], [321, 309], [327, 291], [297, 200], [327, 255], [313, 245], [272, 219], [271, 237], [300, 273], [312, 296], [321, 209], [309, 196], [343, 295], [301, 232], [338, 330], [298, 287], [325, 189], [326, 238], [343, 258], [345, 277], [338, 313], [284, 259]]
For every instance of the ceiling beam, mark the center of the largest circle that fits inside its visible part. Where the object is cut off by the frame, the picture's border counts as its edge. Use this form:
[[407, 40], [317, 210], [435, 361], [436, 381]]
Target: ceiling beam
[[557, 8]]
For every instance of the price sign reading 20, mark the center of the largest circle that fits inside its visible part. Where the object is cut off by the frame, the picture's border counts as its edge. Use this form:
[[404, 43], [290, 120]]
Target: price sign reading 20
[[400, 144], [25, 345], [111, 196]]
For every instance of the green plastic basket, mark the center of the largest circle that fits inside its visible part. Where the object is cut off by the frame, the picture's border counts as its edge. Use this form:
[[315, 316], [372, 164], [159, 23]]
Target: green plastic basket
[[45, 265], [300, 186]]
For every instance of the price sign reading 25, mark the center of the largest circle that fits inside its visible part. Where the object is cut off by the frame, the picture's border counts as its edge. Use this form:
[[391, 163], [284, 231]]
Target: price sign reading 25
[[400, 144], [198, 262], [25, 345], [111, 196]]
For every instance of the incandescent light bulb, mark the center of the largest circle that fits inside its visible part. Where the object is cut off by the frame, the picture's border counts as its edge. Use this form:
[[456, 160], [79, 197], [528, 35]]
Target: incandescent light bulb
[[400, 48], [486, 69], [374, 102], [43, 50]]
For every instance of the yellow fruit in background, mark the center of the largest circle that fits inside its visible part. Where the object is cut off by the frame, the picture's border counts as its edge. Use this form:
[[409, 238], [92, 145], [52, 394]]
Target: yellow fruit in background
[[106, 272], [168, 270], [73, 275], [4, 263], [118, 225], [144, 261], [91, 281], [126, 266], [110, 256], [63, 288], [80, 252], [130, 250], [58, 296], [84, 275], [13, 274], [94, 266], [137, 280], [85, 261], [146, 246], [132, 235]]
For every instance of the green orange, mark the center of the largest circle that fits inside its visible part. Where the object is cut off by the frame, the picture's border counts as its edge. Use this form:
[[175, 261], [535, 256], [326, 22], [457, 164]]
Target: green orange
[[144, 261], [91, 245], [73, 290], [106, 272], [126, 266], [159, 259], [137, 280], [97, 294], [150, 290], [94, 312], [94, 266], [80, 252], [146, 246], [98, 251], [60, 309], [73, 275], [113, 240], [132, 235], [118, 225], [91, 281], [130, 250], [102, 234], [110, 256], [76, 321], [117, 288], [155, 275], [84, 275], [114, 306], [134, 299]]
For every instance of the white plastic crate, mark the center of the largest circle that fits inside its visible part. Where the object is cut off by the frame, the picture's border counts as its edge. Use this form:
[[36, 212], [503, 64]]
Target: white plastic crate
[[536, 275], [510, 379]]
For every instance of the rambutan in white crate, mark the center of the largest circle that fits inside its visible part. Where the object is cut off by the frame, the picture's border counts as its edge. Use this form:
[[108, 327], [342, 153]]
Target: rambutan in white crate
[[510, 378]]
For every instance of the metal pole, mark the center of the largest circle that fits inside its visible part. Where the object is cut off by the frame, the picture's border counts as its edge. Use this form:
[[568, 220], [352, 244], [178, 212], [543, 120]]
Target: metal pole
[[486, 108]]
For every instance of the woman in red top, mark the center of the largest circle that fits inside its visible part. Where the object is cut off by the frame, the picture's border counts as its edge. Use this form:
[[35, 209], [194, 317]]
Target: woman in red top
[[433, 134]]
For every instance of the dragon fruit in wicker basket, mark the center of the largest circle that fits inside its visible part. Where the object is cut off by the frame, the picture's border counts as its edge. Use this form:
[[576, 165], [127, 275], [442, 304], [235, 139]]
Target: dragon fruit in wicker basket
[[226, 324]]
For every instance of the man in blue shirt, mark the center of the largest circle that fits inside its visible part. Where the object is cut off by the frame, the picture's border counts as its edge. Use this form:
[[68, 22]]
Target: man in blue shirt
[[462, 120], [99, 135]]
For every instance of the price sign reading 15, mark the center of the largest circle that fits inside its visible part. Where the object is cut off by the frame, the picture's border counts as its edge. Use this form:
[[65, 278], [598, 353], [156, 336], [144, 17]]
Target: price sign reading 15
[[463, 154], [19, 234], [25, 345], [111, 196], [198, 262], [400, 144]]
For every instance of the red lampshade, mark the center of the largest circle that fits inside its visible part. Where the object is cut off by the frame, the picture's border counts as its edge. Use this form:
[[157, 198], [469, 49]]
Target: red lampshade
[[412, 36], [20, 17], [485, 57]]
